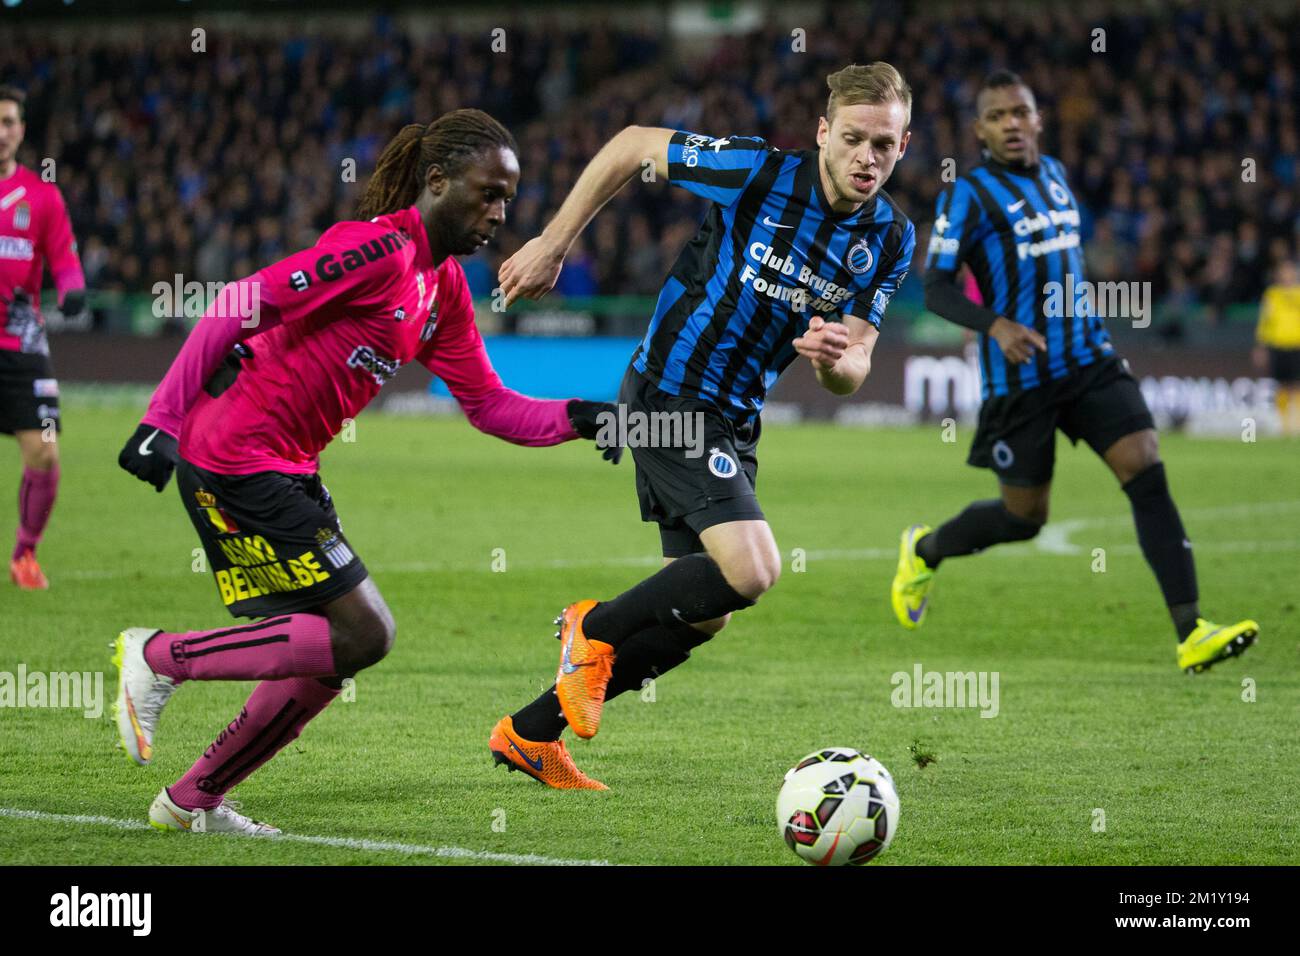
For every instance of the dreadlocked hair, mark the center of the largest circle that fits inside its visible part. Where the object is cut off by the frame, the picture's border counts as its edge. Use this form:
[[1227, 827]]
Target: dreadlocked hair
[[450, 141]]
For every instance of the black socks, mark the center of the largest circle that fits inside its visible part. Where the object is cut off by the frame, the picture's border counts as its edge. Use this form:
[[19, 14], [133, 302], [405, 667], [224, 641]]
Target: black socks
[[982, 524], [648, 655], [540, 720], [690, 590], [1159, 529], [1164, 544]]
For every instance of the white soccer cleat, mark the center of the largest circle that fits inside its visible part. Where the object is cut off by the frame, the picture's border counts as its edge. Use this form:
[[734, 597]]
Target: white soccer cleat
[[164, 814], [141, 694]]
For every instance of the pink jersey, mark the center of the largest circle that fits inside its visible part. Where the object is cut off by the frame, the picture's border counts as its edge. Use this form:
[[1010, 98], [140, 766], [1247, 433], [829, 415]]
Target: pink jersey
[[34, 229], [331, 325]]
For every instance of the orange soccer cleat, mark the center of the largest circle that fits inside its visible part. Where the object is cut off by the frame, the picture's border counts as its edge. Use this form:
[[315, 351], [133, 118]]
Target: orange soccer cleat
[[547, 761], [27, 574], [585, 667]]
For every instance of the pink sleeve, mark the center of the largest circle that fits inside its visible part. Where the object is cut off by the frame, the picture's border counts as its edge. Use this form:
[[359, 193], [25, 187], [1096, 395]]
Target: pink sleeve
[[60, 248], [229, 319], [331, 273], [457, 356]]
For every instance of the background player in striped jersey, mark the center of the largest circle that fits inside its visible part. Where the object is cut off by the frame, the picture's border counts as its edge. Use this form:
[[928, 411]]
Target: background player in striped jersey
[[34, 230], [798, 255], [1045, 364], [329, 326]]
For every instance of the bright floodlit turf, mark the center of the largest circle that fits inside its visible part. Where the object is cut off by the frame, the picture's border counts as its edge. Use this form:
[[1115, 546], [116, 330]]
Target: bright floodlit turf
[[1093, 714]]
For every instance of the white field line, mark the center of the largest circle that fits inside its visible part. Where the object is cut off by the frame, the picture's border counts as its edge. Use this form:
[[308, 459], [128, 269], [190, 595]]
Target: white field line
[[1053, 539], [345, 843]]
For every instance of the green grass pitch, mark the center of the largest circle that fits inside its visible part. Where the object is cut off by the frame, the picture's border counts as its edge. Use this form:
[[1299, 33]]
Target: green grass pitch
[[1093, 713]]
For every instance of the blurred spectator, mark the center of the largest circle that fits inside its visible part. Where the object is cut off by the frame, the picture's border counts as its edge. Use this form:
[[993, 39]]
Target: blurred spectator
[[212, 165]]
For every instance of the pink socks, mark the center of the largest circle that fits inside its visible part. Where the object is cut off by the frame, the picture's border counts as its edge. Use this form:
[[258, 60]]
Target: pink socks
[[291, 645], [36, 497], [275, 714]]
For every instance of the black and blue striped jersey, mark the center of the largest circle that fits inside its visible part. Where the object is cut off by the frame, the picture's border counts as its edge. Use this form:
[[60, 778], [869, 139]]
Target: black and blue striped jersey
[[769, 255], [1018, 231]]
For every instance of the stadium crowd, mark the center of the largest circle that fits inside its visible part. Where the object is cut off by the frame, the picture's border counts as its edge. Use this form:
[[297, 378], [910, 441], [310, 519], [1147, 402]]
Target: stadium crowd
[[212, 164]]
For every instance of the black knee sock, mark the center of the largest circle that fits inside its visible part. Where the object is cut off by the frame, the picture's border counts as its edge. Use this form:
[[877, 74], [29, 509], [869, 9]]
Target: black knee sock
[[649, 654], [983, 523], [1165, 545], [689, 590], [542, 719]]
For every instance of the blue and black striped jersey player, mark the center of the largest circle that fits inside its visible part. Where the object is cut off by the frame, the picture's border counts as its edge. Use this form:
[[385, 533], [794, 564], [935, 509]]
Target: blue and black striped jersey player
[[798, 255], [1044, 366]]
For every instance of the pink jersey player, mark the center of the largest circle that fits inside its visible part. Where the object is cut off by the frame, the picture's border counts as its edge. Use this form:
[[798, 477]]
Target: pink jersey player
[[273, 370], [34, 232]]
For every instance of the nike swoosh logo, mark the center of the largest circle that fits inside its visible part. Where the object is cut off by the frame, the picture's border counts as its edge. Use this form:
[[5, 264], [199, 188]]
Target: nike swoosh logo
[[144, 445], [831, 852], [185, 824], [536, 765], [1015, 206], [914, 617], [678, 614], [767, 221], [566, 660]]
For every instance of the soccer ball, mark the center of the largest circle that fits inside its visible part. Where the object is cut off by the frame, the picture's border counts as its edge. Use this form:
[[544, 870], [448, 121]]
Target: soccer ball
[[836, 807]]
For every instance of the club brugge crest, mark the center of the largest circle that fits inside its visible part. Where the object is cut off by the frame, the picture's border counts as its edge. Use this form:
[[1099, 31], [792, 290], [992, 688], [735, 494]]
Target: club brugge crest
[[722, 465], [1059, 195], [859, 258]]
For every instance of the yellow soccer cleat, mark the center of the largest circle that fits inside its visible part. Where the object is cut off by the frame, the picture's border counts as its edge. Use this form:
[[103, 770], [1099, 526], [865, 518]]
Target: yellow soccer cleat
[[910, 592], [1211, 643], [585, 668]]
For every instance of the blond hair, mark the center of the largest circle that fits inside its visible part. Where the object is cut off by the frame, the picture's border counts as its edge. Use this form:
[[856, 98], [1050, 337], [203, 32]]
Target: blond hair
[[876, 82]]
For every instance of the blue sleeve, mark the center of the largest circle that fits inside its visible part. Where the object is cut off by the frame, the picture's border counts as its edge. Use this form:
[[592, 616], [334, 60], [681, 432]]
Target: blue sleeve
[[958, 225], [876, 298], [716, 169]]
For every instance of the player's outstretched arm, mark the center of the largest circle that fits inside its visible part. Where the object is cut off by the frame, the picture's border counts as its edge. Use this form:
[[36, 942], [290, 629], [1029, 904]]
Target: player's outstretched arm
[[456, 355], [532, 271]]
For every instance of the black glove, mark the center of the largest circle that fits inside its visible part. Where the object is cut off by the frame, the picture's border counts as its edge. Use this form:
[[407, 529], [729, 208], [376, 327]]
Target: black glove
[[26, 323], [74, 303], [150, 455], [583, 416], [227, 371]]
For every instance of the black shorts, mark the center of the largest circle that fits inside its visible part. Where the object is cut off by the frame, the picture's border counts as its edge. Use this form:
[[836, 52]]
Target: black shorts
[[1285, 365], [273, 540], [705, 478], [29, 392], [1016, 437]]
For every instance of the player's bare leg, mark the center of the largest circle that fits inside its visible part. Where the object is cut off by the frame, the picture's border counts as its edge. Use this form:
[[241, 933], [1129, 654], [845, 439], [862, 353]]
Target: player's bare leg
[[36, 496], [1135, 460]]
